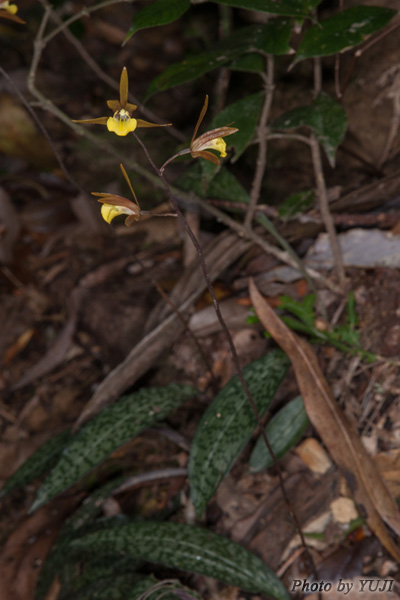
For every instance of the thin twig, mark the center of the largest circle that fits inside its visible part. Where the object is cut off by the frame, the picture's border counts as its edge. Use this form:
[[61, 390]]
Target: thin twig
[[325, 212], [262, 141], [42, 129]]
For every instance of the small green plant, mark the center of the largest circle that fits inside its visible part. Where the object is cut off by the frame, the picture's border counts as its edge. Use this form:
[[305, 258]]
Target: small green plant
[[344, 337]]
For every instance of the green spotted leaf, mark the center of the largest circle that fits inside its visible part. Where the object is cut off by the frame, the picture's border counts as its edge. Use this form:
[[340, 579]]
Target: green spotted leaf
[[114, 587], [228, 423], [38, 463], [109, 430], [244, 115], [325, 117], [190, 549], [82, 520], [158, 13], [343, 30], [290, 8], [283, 432], [271, 38]]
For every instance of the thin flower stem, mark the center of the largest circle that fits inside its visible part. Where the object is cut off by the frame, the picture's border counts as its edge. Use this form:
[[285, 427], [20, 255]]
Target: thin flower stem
[[42, 129], [262, 142], [182, 319], [181, 153], [234, 354]]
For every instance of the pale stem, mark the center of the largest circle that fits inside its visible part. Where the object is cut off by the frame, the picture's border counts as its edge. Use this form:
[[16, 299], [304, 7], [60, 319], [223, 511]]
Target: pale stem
[[325, 212], [262, 145]]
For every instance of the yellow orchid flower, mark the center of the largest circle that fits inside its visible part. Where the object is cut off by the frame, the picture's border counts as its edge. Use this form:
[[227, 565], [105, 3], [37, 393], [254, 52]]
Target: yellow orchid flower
[[11, 8], [8, 11], [114, 205], [122, 122], [211, 140]]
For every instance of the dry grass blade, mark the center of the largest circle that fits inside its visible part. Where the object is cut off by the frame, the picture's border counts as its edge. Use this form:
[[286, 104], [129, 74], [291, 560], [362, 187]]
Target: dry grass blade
[[370, 492]]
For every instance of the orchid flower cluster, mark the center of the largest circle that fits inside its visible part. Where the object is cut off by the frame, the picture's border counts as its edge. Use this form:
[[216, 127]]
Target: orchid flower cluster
[[121, 123]]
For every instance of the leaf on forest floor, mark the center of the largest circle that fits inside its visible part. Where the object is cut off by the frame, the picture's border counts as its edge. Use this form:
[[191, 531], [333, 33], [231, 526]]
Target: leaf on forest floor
[[187, 548], [228, 423], [108, 431], [369, 490]]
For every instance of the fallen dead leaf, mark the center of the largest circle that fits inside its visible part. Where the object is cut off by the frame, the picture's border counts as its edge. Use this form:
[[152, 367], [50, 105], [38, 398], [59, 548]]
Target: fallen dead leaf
[[369, 489]]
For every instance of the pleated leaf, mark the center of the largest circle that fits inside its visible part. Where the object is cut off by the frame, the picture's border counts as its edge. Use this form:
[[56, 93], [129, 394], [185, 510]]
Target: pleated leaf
[[344, 30], [228, 423], [325, 117], [283, 432], [158, 13], [38, 463], [109, 430], [190, 549]]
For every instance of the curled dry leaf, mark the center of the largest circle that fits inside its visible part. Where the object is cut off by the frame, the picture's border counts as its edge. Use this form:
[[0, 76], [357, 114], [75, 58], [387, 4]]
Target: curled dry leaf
[[370, 492]]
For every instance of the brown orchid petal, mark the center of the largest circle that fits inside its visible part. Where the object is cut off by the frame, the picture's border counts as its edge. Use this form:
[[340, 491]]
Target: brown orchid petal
[[4, 14], [101, 194], [98, 121], [206, 138], [141, 123], [130, 107], [115, 200], [131, 219], [114, 105], [128, 181], [199, 120], [207, 155], [123, 88]]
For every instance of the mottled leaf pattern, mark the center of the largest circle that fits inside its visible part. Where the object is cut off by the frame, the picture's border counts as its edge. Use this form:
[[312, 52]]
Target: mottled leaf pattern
[[109, 430], [283, 432], [38, 463], [82, 519], [188, 548], [228, 423]]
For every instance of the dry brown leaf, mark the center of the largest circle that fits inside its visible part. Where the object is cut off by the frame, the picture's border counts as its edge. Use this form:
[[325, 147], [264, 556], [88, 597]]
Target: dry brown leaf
[[344, 445]]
